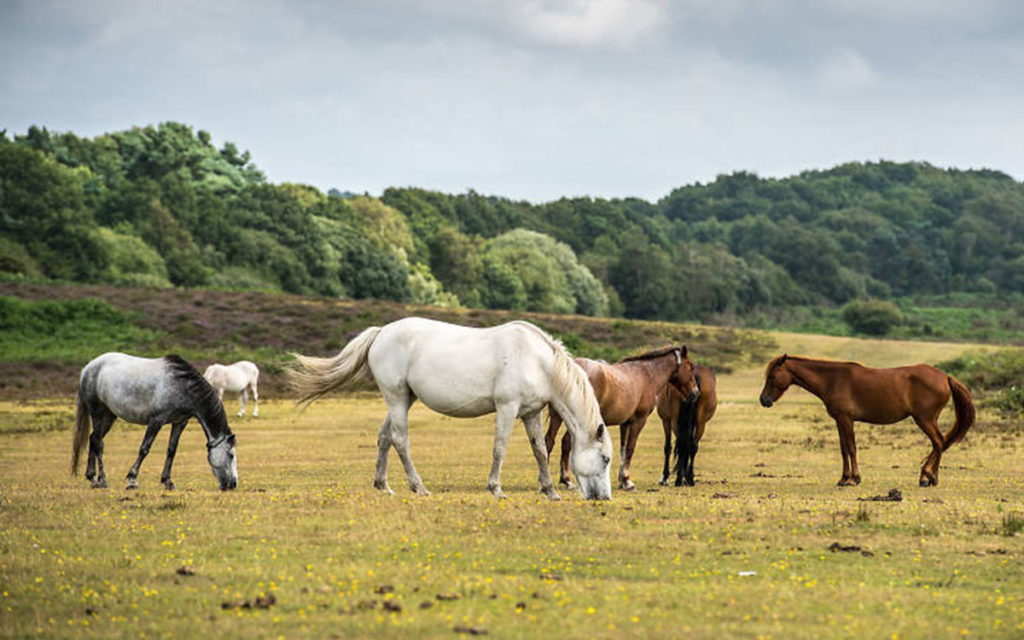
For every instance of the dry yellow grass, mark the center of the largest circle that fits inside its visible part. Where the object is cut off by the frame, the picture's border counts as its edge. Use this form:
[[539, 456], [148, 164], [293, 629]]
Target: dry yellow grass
[[745, 553]]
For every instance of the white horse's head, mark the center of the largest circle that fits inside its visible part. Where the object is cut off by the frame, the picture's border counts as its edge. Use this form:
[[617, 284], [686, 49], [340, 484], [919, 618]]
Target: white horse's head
[[591, 461], [221, 455]]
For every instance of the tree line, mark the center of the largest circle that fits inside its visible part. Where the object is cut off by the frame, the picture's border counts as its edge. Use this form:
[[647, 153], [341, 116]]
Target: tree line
[[162, 206]]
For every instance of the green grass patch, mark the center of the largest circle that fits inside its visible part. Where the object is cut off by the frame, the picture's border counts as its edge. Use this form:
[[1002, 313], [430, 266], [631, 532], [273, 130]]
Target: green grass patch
[[67, 330]]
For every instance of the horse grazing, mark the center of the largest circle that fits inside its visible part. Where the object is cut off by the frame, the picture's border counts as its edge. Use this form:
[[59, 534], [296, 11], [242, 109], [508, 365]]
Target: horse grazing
[[241, 377], [686, 417], [153, 392], [512, 370], [627, 392], [852, 392]]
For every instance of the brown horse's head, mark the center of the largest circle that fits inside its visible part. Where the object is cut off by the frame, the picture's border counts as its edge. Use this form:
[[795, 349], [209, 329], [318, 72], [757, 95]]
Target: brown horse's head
[[777, 379], [684, 378]]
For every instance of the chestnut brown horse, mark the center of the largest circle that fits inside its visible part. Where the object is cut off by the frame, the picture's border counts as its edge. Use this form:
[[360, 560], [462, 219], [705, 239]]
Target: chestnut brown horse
[[852, 392], [627, 393], [686, 418]]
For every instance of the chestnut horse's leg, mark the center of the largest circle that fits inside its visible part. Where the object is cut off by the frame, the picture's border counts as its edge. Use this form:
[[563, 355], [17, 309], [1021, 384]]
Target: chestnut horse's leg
[[848, 448], [930, 469]]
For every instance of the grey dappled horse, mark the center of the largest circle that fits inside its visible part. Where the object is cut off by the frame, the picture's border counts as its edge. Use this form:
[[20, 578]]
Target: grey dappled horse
[[153, 392]]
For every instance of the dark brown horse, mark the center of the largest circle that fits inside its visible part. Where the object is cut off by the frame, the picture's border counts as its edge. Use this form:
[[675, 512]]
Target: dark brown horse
[[627, 393], [852, 392], [686, 417]]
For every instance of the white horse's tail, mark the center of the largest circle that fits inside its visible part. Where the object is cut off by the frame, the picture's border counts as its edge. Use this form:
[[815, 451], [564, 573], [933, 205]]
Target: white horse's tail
[[314, 377]]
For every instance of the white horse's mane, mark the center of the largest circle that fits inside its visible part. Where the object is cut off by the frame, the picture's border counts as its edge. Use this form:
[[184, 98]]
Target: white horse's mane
[[569, 380]]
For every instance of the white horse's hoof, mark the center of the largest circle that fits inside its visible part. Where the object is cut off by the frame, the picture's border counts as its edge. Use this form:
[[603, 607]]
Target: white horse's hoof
[[383, 486], [552, 494], [132, 485], [420, 491]]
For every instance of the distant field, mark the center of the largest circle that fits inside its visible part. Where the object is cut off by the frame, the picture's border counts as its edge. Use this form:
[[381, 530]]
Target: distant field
[[745, 553]]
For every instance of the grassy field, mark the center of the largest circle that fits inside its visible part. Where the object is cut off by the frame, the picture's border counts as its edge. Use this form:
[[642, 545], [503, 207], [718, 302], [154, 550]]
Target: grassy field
[[764, 546]]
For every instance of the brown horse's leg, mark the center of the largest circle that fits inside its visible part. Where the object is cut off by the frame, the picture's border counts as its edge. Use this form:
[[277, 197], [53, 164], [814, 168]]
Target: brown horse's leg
[[563, 465], [554, 424], [848, 449], [635, 427], [930, 468], [625, 455]]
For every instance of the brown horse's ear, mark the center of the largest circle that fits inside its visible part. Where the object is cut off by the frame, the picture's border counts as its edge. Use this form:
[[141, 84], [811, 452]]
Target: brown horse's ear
[[683, 351], [783, 358]]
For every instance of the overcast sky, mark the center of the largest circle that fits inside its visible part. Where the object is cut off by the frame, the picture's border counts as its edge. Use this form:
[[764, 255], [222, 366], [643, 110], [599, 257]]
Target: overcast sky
[[532, 99]]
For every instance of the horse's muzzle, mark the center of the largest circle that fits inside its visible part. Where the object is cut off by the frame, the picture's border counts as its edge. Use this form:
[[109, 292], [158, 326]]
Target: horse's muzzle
[[766, 401], [230, 484]]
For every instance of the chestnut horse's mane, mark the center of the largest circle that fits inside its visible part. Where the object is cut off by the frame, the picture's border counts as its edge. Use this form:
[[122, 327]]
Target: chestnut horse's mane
[[778, 360], [648, 355]]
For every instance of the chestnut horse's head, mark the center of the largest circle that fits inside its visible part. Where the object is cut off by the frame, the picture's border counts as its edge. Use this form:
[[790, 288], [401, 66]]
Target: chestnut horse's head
[[777, 379], [684, 379]]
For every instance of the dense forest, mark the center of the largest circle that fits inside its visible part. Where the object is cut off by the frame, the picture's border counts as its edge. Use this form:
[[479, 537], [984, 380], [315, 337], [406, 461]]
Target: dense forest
[[161, 206]]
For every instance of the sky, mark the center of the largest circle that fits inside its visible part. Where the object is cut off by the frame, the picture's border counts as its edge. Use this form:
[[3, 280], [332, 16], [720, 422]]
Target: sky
[[532, 99]]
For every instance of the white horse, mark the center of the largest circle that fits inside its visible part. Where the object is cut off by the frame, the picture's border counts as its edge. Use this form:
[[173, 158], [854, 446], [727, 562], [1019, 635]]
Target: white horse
[[513, 370], [153, 392], [241, 377]]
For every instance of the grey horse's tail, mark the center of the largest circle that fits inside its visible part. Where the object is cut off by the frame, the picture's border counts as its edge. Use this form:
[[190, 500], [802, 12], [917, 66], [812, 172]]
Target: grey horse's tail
[[314, 377], [81, 431]]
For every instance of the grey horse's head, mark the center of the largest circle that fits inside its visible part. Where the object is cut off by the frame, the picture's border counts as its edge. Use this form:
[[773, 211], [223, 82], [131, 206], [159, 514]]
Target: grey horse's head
[[221, 455]]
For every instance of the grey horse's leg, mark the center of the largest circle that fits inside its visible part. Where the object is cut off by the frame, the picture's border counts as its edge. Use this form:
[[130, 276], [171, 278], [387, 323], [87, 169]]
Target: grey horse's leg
[[172, 448], [102, 419], [535, 431], [505, 416], [152, 429]]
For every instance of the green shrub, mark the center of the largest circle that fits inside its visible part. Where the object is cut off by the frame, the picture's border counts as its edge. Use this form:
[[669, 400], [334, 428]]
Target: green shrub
[[871, 317]]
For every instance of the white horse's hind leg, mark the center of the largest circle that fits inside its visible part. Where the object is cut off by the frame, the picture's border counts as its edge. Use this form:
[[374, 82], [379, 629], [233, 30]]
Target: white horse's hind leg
[[535, 430], [398, 420], [255, 400], [505, 416], [380, 476]]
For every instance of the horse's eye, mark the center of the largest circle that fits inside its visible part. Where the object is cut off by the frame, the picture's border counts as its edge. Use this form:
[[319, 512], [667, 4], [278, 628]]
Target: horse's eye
[[606, 459]]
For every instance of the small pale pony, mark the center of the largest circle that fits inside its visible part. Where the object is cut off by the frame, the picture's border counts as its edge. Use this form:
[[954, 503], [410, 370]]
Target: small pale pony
[[241, 377]]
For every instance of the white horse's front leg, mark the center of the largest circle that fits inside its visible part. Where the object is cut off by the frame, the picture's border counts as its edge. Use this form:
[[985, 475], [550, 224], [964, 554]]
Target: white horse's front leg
[[505, 416], [535, 431], [243, 395]]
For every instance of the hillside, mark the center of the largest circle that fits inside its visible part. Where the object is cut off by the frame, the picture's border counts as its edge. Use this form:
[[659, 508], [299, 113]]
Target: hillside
[[47, 338], [160, 206]]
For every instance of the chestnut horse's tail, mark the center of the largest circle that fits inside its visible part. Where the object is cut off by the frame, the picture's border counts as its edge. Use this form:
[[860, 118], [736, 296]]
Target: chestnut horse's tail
[[81, 431], [965, 413]]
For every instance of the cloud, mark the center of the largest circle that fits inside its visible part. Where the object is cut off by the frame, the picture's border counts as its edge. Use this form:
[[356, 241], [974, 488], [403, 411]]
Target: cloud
[[593, 23], [846, 70]]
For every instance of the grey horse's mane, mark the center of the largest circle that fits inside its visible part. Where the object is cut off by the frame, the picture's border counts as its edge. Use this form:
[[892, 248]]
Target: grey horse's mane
[[200, 392]]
